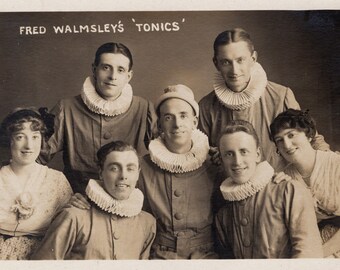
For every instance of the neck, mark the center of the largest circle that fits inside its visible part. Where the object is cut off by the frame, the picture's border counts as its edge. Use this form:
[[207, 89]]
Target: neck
[[237, 89], [108, 98], [306, 165], [178, 149], [22, 170]]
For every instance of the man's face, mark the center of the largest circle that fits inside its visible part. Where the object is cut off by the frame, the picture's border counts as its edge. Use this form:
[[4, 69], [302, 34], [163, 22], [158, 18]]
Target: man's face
[[25, 145], [239, 156], [177, 121], [234, 61], [120, 174], [111, 75]]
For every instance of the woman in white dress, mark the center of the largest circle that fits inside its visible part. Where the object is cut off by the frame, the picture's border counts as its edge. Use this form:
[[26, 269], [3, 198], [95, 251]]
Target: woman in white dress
[[293, 131], [30, 193]]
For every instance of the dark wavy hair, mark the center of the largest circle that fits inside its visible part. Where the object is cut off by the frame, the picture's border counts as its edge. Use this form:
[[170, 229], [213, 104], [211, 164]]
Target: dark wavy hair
[[240, 125], [40, 120], [119, 146], [112, 47], [296, 119], [231, 36]]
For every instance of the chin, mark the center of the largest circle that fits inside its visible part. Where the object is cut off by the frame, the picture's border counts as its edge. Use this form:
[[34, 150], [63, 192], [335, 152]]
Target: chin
[[240, 181]]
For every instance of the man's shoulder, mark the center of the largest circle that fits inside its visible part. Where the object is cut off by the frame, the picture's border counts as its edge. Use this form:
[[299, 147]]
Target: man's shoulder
[[206, 100], [75, 214], [69, 102], [272, 86], [147, 217], [286, 187], [147, 162], [139, 99]]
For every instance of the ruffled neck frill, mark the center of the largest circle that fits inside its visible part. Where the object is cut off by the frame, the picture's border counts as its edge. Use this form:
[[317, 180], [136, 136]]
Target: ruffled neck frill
[[235, 192], [246, 98], [124, 208], [180, 163], [99, 105]]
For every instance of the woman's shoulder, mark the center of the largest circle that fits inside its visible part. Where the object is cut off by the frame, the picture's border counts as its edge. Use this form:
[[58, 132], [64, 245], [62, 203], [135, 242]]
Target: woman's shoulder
[[55, 177], [53, 172]]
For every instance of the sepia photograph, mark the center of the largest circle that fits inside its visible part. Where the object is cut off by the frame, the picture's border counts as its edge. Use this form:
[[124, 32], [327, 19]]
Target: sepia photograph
[[209, 135]]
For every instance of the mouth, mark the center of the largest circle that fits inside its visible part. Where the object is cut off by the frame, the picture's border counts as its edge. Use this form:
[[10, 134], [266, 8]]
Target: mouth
[[234, 77], [27, 152], [109, 84], [177, 132], [238, 170], [122, 185], [291, 151]]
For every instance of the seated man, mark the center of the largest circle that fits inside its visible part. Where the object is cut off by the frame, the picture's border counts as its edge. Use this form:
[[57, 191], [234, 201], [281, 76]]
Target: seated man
[[262, 219], [178, 182], [114, 227]]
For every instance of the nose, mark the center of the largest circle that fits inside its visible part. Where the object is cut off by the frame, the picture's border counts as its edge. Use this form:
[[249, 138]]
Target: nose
[[235, 67], [177, 121], [123, 174], [112, 74], [29, 143], [237, 159], [287, 143]]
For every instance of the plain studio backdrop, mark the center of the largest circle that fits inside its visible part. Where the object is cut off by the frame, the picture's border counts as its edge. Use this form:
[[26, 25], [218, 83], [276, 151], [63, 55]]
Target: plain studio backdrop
[[46, 56]]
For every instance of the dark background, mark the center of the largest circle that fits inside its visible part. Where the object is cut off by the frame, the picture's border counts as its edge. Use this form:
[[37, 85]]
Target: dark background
[[299, 49]]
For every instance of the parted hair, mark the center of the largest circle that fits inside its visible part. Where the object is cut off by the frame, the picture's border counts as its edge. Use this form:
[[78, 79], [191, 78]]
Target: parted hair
[[231, 36], [106, 149], [112, 47], [238, 126]]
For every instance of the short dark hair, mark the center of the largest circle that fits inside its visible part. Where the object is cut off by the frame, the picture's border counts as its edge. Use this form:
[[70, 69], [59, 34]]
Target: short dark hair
[[240, 126], [296, 119], [119, 146], [231, 36], [41, 121], [112, 47]]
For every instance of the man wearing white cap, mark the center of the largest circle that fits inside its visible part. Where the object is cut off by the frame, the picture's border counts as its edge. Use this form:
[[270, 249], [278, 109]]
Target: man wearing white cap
[[178, 181]]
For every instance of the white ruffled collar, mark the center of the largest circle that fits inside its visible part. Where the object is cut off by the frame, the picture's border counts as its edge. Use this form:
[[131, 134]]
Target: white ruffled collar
[[180, 163], [234, 192], [246, 98], [102, 106], [124, 208]]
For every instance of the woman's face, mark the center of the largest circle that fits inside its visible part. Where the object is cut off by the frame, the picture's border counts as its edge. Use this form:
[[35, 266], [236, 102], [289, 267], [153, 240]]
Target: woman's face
[[292, 144], [25, 145]]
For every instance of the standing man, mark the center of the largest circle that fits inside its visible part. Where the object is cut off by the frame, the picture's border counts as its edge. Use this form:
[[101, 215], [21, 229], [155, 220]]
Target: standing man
[[106, 110], [178, 182], [242, 92]]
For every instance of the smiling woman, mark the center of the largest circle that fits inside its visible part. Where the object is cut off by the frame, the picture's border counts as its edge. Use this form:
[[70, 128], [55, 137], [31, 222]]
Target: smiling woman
[[293, 131], [31, 194]]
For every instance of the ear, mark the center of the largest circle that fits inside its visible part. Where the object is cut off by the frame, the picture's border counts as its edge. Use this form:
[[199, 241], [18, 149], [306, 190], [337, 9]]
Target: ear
[[258, 155], [100, 174], [215, 63], [159, 126], [130, 75], [195, 121], [254, 56]]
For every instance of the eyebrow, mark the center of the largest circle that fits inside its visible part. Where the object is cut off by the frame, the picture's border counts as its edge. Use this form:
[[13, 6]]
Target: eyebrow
[[120, 165], [288, 132]]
